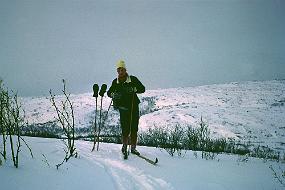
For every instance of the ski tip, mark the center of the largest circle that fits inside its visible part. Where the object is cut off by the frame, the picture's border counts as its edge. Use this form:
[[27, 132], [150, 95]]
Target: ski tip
[[156, 160]]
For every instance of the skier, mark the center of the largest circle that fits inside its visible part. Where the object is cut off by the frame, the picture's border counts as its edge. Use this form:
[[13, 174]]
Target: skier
[[124, 91]]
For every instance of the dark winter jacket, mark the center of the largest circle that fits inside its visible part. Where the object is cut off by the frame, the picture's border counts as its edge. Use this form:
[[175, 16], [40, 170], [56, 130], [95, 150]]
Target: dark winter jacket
[[124, 90]]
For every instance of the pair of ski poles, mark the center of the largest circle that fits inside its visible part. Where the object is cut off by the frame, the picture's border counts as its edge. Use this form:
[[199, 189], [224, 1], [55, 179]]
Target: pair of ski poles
[[101, 94]]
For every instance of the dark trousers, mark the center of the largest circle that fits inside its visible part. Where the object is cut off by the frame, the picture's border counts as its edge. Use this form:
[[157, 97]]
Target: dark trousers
[[129, 124]]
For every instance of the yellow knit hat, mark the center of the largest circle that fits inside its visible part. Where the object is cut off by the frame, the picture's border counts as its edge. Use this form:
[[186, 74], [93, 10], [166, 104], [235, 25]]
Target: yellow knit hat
[[121, 63]]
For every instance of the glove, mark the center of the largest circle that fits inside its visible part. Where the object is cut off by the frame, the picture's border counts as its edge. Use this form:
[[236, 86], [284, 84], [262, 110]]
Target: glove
[[115, 95], [131, 89]]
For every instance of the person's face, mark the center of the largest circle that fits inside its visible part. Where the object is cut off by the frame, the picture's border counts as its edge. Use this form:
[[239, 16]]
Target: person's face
[[121, 72]]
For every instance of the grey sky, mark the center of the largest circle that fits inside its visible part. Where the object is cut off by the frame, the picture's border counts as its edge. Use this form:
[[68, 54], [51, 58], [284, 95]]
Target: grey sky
[[165, 43]]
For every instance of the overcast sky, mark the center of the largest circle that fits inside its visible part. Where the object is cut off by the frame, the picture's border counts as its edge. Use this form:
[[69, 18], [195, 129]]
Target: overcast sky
[[164, 43]]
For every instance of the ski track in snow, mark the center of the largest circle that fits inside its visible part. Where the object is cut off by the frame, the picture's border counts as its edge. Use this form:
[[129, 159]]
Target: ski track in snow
[[106, 169], [124, 175]]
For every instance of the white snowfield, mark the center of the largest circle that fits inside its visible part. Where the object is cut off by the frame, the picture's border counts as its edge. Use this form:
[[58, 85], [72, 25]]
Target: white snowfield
[[106, 170], [249, 111]]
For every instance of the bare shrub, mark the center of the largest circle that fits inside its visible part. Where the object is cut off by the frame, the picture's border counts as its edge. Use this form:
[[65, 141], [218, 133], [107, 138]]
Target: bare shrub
[[65, 116], [12, 120]]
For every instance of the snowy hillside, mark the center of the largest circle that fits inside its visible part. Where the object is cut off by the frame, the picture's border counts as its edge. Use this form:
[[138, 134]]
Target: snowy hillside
[[107, 170], [249, 111]]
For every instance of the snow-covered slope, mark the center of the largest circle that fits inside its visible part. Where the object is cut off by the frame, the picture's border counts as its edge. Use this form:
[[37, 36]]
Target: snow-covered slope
[[106, 169], [250, 111]]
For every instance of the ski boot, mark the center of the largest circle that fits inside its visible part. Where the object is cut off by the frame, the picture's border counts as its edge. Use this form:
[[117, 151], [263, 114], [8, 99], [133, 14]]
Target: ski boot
[[135, 151], [125, 151]]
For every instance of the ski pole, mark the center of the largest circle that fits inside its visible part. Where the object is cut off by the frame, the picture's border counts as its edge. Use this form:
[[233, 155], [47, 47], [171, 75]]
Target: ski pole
[[101, 93], [131, 120], [106, 115], [95, 94]]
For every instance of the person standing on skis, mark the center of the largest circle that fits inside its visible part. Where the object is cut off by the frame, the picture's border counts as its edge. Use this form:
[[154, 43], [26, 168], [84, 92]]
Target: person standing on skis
[[123, 91]]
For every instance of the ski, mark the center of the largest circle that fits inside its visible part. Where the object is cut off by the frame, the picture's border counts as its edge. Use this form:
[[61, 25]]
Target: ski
[[153, 162]]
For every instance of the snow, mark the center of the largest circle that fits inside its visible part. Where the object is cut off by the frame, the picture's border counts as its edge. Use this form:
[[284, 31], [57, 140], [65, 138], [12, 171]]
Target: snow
[[248, 111], [106, 169]]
